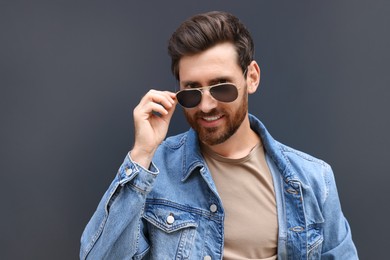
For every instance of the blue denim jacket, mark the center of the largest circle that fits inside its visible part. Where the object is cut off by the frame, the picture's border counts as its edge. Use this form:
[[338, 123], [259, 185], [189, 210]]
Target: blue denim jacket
[[173, 210]]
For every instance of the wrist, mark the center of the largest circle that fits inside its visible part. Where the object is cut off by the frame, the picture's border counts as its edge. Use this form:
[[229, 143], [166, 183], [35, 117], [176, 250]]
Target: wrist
[[141, 157]]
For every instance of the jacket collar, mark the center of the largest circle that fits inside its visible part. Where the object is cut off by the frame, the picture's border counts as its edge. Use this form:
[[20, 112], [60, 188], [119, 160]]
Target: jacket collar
[[192, 155], [273, 148], [193, 158]]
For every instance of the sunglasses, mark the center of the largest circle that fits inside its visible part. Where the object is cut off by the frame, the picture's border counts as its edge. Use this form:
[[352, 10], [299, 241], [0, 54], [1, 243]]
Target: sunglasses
[[223, 92]]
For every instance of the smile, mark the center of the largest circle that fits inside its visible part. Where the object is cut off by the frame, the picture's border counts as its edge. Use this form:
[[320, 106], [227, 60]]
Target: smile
[[211, 118]]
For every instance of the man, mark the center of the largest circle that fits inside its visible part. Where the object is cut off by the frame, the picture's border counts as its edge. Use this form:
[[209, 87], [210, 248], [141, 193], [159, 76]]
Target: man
[[224, 189]]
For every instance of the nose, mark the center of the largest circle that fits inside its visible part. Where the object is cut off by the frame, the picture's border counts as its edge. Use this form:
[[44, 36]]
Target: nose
[[207, 103]]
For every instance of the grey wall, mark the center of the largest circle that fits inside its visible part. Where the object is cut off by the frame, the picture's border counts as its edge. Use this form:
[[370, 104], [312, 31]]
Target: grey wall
[[72, 71]]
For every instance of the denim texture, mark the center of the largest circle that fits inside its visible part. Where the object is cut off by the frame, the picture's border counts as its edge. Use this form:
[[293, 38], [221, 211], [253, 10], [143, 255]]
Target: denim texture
[[165, 212]]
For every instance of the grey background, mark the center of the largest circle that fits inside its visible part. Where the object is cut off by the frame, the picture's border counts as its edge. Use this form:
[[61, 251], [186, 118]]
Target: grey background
[[71, 73]]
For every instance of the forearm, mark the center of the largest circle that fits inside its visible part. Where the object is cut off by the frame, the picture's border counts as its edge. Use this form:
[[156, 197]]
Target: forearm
[[114, 227], [142, 157]]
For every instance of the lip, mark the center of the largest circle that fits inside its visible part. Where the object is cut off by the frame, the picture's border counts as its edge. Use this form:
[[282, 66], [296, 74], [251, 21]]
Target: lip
[[211, 121]]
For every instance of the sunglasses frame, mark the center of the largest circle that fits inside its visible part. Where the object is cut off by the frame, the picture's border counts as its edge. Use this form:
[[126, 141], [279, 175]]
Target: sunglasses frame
[[201, 89]]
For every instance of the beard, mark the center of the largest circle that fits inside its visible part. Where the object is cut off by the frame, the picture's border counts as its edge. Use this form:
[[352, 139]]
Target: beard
[[217, 135]]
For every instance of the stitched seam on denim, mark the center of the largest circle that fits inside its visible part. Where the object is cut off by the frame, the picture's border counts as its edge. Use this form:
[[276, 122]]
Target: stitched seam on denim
[[137, 189], [101, 226], [313, 246], [184, 208], [174, 228], [96, 236]]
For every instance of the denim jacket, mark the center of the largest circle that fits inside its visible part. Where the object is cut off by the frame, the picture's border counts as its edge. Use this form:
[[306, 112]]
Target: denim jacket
[[173, 211]]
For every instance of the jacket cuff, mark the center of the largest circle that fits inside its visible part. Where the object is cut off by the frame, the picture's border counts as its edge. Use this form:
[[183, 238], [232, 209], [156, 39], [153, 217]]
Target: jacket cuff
[[136, 175]]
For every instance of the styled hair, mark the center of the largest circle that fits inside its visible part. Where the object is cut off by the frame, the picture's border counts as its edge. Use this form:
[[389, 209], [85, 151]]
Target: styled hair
[[204, 31]]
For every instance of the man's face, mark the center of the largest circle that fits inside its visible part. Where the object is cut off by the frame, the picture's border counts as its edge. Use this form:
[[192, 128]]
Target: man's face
[[214, 121]]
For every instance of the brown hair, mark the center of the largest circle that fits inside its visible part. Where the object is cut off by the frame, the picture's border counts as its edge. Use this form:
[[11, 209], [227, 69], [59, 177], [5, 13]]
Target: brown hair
[[203, 31]]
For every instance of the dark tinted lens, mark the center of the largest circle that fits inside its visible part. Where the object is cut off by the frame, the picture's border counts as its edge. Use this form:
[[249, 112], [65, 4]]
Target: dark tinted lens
[[224, 92], [189, 98]]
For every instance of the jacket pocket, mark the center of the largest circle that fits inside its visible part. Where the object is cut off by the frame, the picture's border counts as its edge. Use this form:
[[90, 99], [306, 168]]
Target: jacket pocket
[[170, 227]]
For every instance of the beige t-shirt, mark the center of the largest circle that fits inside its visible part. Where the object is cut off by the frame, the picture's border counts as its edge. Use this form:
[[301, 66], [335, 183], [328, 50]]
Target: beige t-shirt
[[246, 188]]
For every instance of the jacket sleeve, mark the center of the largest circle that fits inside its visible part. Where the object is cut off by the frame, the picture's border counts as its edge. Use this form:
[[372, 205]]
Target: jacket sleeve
[[338, 242], [114, 231]]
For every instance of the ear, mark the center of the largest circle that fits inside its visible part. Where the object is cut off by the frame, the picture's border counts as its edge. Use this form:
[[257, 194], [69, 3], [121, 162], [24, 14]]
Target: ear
[[253, 77]]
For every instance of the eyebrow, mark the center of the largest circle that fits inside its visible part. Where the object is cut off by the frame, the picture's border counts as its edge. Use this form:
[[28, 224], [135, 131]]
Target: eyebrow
[[196, 84]]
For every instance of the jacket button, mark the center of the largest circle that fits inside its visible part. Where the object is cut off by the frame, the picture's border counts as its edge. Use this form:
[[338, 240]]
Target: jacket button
[[207, 257], [297, 229], [213, 208], [129, 171], [170, 219]]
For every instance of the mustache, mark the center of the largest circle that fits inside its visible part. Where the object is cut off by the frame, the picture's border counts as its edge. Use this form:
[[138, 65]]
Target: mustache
[[213, 112]]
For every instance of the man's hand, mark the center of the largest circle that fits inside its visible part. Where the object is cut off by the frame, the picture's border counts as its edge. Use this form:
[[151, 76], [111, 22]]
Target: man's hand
[[151, 121]]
